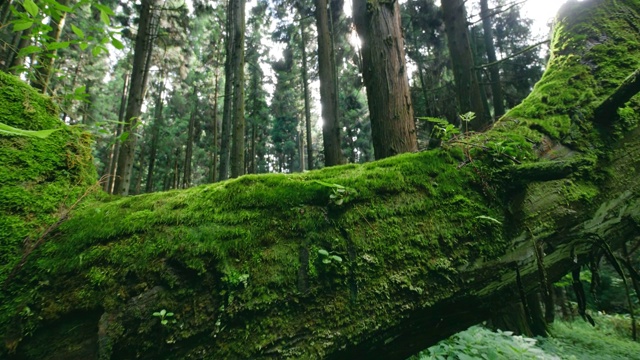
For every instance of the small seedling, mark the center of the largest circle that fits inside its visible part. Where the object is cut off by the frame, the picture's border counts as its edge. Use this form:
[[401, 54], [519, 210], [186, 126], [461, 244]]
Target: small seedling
[[165, 317], [327, 258]]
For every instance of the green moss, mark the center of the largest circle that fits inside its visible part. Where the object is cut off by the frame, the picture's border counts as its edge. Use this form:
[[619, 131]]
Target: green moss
[[39, 177], [582, 71]]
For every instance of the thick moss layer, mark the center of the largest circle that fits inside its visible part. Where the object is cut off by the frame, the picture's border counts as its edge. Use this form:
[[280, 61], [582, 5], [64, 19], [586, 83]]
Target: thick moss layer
[[228, 253], [39, 178]]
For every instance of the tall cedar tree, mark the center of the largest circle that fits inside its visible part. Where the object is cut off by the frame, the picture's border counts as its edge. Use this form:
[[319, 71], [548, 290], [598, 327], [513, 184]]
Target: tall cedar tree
[[238, 143], [467, 87], [494, 71], [143, 48], [47, 58], [328, 90], [385, 76], [227, 107], [305, 83]]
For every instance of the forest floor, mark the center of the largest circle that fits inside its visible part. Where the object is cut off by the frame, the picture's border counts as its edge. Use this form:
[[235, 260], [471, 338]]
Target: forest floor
[[576, 339]]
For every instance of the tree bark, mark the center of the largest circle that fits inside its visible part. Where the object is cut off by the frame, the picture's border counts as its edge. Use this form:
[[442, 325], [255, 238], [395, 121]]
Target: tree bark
[[385, 77], [305, 87], [373, 261], [328, 94], [188, 154], [143, 46], [494, 71], [158, 124], [46, 59], [118, 134], [238, 141], [214, 121], [467, 87], [225, 134]]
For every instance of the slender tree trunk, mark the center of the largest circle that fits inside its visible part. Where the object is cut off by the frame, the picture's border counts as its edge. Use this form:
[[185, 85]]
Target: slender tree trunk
[[494, 71], [134, 104], [188, 154], [14, 60], [113, 164], [5, 11], [328, 94], [176, 171], [86, 111], [214, 152], [158, 124], [225, 136], [384, 71], [46, 59], [254, 138], [476, 62], [305, 87], [467, 87], [238, 142], [141, 157]]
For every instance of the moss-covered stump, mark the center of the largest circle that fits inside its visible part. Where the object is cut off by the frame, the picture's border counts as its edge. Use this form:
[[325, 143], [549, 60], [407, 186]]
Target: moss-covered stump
[[357, 261]]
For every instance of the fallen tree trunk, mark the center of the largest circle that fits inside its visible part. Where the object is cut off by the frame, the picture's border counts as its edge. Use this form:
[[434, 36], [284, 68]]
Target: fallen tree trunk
[[358, 261]]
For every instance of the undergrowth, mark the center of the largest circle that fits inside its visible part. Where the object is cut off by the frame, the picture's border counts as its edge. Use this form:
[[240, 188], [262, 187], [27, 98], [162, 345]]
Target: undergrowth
[[610, 339]]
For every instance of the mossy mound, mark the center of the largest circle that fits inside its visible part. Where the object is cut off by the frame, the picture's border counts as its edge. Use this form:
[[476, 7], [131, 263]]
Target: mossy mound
[[39, 178], [222, 255]]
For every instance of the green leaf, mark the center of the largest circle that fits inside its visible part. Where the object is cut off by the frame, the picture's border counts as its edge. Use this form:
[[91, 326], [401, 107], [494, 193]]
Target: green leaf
[[58, 45], [163, 312], [105, 18], [19, 25], [169, 314], [489, 218], [31, 7], [81, 90], [104, 9], [61, 7], [76, 30], [323, 252], [326, 261], [29, 50], [83, 45], [96, 51], [156, 314], [336, 258], [164, 322], [10, 130], [117, 44]]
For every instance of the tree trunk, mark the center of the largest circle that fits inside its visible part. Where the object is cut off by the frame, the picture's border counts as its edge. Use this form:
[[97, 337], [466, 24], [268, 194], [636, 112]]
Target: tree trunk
[[328, 95], [494, 71], [158, 124], [5, 11], [14, 60], [373, 261], [139, 72], [188, 154], [225, 135], [467, 87], [305, 87], [238, 142], [46, 59], [214, 120], [119, 130], [384, 71]]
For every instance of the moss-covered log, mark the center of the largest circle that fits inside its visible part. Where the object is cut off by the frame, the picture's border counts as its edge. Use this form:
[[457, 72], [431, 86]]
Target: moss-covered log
[[357, 261]]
